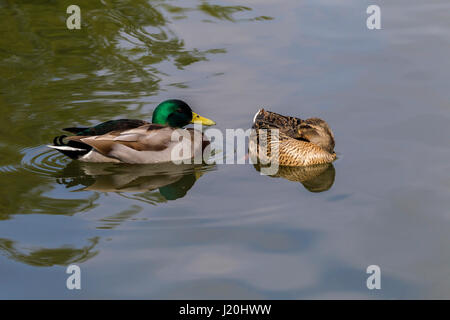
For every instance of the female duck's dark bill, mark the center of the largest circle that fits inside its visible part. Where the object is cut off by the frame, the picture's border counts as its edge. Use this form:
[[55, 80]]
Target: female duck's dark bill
[[201, 120]]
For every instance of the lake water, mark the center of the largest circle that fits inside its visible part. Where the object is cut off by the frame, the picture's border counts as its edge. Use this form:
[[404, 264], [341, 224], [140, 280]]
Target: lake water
[[225, 231]]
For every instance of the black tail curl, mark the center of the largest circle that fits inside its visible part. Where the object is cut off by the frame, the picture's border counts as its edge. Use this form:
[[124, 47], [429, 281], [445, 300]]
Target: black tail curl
[[79, 148], [58, 140]]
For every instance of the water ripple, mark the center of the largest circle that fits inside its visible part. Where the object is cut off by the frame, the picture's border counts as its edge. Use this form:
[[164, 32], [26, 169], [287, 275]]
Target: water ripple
[[43, 161]]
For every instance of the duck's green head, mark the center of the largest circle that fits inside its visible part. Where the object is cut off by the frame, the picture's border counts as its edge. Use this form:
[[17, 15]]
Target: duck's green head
[[177, 114]]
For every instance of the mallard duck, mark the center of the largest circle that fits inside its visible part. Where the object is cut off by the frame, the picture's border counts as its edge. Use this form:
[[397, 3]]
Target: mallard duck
[[135, 141], [300, 142]]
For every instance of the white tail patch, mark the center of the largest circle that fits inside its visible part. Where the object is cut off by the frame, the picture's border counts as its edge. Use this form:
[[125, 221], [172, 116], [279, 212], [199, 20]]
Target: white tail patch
[[256, 114], [65, 148]]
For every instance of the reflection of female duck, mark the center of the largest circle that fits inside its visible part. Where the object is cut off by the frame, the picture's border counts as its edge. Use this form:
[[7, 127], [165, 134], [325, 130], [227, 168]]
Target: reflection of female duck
[[301, 142], [316, 178], [173, 181]]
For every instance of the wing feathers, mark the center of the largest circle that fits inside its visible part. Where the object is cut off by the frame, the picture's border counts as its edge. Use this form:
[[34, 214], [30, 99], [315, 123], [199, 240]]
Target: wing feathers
[[139, 139]]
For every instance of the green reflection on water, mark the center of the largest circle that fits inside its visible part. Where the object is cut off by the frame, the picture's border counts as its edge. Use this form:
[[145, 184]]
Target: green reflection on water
[[47, 257], [52, 77]]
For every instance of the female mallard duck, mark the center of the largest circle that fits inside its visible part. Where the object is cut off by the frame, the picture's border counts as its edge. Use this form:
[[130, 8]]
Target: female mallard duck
[[300, 142], [136, 141]]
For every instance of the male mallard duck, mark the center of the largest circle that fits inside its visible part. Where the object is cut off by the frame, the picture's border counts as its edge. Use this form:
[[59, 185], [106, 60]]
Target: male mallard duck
[[135, 141], [300, 143]]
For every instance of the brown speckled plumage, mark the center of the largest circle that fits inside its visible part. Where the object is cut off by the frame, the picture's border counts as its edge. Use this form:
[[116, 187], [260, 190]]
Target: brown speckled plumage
[[300, 142]]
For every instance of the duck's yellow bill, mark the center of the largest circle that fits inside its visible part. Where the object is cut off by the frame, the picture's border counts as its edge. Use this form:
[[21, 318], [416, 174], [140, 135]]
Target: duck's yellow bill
[[201, 120]]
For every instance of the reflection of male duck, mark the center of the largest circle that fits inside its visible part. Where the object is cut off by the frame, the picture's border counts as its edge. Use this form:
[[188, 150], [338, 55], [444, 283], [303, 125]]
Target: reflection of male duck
[[316, 178], [173, 181]]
